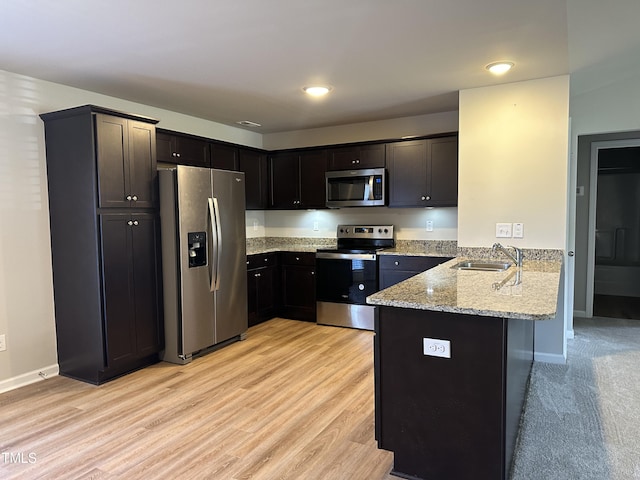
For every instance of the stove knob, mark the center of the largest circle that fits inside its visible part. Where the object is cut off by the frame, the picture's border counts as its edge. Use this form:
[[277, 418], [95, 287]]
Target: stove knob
[[386, 230], [347, 230], [379, 230]]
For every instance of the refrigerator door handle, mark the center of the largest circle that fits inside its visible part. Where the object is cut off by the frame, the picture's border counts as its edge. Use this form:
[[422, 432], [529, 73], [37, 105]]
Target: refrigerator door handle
[[213, 270], [216, 209]]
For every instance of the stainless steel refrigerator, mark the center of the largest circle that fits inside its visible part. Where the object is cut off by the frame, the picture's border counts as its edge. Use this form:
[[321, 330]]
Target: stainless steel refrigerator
[[202, 213]]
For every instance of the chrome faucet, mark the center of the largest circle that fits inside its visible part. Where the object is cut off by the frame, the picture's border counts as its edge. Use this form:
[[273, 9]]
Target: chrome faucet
[[517, 258]]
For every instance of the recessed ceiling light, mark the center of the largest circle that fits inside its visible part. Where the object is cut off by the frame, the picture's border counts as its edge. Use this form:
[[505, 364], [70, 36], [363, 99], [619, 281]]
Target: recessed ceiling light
[[498, 68], [248, 123], [316, 90]]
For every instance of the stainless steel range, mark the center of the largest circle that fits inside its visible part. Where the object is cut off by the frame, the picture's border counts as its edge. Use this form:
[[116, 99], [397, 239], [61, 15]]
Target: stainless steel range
[[346, 275]]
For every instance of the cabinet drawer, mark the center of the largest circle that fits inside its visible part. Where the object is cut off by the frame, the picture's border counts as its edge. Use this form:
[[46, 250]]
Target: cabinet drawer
[[261, 260], [407, 262], [298, 258]]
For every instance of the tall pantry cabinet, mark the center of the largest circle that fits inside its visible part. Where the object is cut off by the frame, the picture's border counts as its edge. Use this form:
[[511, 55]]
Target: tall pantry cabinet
[[103, 204]]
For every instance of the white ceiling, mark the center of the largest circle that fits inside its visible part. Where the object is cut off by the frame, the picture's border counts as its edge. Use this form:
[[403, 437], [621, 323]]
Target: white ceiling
[[231, 60]]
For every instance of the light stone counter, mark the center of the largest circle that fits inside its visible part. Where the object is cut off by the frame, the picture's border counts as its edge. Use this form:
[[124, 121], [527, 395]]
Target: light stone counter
[[287, 244], [423, 248], [529, 294]]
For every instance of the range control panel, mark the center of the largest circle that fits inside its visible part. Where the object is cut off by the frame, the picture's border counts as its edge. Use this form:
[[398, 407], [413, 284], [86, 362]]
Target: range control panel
[[365, 231]]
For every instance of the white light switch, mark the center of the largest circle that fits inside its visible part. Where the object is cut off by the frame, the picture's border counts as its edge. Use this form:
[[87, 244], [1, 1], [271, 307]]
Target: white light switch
[[435, 347], [518, 230], [429, 226]]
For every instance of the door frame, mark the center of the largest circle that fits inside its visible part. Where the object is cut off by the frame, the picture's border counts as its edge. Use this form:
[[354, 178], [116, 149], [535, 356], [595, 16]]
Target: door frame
[[593, 197]]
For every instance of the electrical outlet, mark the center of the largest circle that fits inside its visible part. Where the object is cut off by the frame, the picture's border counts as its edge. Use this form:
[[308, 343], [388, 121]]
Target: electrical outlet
[[255, 225], [3, 343], [316, 227], [503, 230], [429, 226], [518, 230], [435, 347]]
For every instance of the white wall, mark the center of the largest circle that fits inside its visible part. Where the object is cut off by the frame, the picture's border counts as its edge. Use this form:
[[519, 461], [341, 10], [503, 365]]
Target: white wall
[[26, 289], [513, 158], [513, 162]]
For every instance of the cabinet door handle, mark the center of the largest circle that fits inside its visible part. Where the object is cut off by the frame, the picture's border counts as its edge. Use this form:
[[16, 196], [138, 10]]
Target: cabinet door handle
[[257, 275], [128, 198], [298, 259], [266, 259], [135, 222], [423, 198], [396, 263], [313, 273], [129, 223], [134, 198]]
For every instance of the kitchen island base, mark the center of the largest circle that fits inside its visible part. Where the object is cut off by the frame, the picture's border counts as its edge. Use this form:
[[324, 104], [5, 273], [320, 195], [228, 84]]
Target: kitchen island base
[[450, 418]]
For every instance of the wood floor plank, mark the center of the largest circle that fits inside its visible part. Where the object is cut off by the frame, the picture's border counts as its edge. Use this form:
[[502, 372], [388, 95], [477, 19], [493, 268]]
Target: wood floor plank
[[294, 400]]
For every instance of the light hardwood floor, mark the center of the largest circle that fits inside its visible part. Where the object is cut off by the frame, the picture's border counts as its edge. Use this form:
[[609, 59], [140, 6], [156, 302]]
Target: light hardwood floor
[[292, 401]]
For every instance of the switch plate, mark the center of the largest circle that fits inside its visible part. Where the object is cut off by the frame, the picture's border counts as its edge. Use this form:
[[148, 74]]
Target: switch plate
[[429, 226], [255, 225], [3, 343], [518, 230], [503, 230], [316, 227], [435, 347]]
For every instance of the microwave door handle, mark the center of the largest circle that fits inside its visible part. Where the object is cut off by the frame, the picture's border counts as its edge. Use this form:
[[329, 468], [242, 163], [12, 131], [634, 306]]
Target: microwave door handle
[[370, 196]]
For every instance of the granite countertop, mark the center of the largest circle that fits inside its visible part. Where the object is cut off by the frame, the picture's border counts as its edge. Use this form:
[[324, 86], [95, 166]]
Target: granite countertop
[[287, 244], [529, 293]]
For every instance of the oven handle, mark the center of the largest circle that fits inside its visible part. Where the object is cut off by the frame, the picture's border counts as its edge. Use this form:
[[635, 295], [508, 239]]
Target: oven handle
[[346, 256]]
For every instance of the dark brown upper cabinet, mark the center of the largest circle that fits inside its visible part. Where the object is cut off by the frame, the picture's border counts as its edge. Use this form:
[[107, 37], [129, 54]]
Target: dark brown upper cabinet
[[126, 163], [223, 156], [182, 149], [356, 156], [297, 179], [254, 165], [423, 173]]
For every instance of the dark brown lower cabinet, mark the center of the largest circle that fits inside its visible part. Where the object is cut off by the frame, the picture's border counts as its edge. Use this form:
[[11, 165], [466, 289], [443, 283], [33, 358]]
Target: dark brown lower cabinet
[[263, 284], [281, 284], [397, 268], [450, 418], [130, 287], [298, 285]]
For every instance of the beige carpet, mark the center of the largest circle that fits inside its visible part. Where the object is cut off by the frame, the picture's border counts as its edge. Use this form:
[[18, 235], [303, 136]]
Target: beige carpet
[[582, 419]]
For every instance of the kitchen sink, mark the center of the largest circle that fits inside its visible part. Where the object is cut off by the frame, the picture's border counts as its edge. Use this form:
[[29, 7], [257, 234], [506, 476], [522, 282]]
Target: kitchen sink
[[482, 265]]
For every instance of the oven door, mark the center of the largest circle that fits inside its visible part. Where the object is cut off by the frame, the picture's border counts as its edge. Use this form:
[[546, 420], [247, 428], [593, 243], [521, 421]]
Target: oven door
[[345, 277]]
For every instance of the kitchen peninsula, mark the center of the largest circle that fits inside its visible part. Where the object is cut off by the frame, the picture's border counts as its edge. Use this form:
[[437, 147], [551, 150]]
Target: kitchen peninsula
[[453, 352]]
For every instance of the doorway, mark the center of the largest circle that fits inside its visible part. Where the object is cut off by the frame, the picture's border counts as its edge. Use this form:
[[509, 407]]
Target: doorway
[[614, 248]]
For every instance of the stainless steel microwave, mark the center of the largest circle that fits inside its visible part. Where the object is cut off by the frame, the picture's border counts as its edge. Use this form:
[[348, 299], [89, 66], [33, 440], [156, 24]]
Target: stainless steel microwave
[[356, 188]]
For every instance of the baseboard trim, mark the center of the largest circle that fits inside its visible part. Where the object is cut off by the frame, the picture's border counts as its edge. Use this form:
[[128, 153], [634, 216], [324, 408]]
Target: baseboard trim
[[549, 358], [29, 378], [580, 313], [571, 334]]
